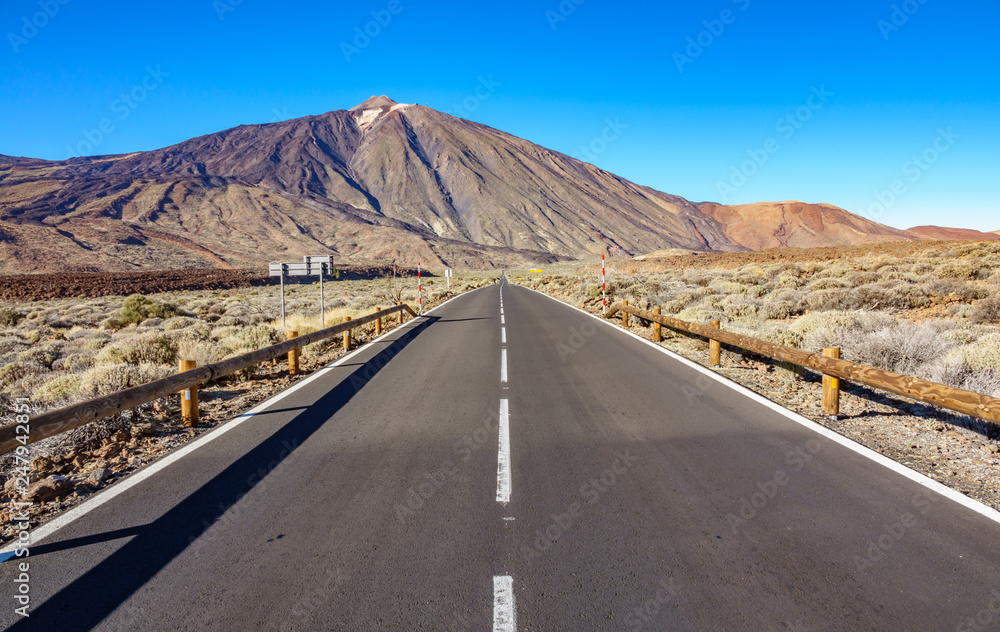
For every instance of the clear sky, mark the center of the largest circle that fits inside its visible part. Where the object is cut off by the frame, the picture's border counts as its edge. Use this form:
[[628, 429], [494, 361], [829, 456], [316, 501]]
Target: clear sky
[[888, 109]]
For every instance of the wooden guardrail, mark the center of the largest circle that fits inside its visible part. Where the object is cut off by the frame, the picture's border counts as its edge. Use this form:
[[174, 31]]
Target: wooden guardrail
[[65, 419], [966, 402]]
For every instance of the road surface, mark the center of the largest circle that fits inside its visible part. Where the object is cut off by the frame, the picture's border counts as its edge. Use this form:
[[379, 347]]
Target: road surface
[[518, 467]]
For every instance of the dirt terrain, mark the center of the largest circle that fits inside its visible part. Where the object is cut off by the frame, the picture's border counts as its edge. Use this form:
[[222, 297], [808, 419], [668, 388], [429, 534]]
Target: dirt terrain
[[38, 287], [730, 260]]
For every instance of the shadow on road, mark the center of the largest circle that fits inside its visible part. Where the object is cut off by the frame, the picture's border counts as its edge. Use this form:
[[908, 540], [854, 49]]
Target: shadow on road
[[83, 604]]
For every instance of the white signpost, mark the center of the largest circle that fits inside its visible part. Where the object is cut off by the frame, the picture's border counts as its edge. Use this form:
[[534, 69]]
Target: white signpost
[[447, 276], [318, 265]]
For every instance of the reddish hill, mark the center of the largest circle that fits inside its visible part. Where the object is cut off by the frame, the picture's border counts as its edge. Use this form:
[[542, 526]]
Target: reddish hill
[[798, 225], [952, 234]]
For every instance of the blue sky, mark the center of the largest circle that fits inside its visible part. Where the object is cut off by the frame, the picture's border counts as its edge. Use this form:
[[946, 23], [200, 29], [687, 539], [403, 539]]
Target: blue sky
[[888, 109]]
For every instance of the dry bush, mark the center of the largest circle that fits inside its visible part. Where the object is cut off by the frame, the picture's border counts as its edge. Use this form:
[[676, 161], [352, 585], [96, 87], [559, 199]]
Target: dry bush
[[9, 317], [903, 348], [986, 311], [948, 286], [107, 379], [140, 348]]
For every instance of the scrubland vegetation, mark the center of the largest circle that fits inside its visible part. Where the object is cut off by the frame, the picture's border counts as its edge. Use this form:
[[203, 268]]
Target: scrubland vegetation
[[62, 351], [932, 314]]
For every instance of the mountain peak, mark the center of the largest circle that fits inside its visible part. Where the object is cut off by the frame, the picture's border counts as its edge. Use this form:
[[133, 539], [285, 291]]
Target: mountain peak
[[374, 103]]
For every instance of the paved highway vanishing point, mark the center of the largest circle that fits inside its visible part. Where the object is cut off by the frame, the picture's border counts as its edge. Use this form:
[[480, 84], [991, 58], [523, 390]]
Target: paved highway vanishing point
[[508, 462]]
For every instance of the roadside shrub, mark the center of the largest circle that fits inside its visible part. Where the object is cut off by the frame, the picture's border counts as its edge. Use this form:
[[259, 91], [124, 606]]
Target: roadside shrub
[[148, 348], [10, 318], [740, 308], [983, 354], [986, 311], [96, 341], [179, 322], [778, 310], [137, 308], [102, 380], [64, 388], [948, 287], [830, 321], [43, 354], [12, 344], [16, 371], [904, 348], [74, 362]]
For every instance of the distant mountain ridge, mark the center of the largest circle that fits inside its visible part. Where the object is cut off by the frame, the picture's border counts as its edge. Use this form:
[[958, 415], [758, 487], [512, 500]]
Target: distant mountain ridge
[[938, 232], [383, 182]]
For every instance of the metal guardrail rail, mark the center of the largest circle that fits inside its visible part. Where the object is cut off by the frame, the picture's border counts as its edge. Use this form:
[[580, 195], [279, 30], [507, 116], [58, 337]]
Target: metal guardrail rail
[[72, 417], [966, 402]]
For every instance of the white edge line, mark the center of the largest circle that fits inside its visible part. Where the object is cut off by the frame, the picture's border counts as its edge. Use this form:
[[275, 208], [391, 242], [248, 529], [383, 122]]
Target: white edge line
[[504, 609], [131, 481], [503, 455], [899, 468]]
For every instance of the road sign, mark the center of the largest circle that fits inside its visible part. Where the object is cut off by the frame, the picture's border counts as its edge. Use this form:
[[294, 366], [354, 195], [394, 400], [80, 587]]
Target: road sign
[[298, 269], [327, 259], [313, 265]]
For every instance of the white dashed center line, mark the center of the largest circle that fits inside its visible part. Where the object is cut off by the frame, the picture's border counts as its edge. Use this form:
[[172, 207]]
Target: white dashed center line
[[503, 365], [504, 612], [503, 456], [503, 335]]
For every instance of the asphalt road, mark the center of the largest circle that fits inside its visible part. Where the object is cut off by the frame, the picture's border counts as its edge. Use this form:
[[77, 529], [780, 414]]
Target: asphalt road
[[533, 470]]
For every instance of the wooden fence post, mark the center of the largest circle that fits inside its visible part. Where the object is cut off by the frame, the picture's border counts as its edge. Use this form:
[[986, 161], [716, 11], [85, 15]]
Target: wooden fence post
[[625, 316], [657, 333], [831, 387], [189, 398], [399, 316], [347, 335], [293, 356], [378, 323], [714, 347]]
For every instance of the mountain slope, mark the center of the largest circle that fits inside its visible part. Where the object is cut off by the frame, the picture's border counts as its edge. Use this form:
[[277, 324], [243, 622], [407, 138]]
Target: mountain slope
[[382, 182], [798, 225], [956, 234]]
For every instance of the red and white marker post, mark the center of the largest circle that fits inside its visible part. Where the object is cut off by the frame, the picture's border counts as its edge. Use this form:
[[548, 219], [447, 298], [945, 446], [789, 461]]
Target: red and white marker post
[[420, 292], [604, 285]]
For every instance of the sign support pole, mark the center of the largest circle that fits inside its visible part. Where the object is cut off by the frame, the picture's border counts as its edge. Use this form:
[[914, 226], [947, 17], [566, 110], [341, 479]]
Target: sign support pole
[[283, 326], [322, 303]]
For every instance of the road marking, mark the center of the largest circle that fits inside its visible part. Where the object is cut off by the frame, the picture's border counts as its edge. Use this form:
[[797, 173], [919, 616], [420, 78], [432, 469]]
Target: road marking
[[503, 321], [503, 335], [899, 468], [503, 456], [49, 528], [503, 365], [504, 611]]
